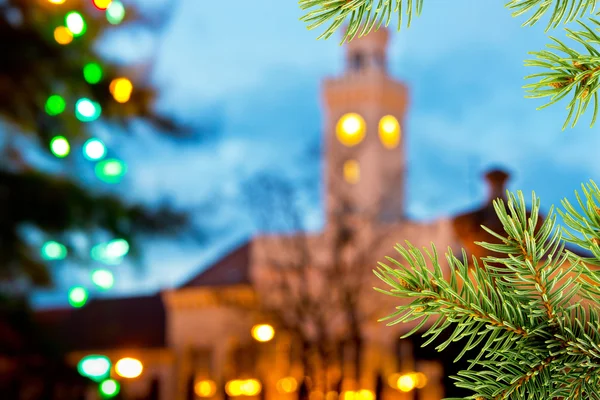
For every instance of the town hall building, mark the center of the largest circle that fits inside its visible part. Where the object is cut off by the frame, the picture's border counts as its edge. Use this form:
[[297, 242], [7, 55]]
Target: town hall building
[[294, 315]]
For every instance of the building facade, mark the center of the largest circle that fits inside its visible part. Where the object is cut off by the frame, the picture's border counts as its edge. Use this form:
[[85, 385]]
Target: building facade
[[199, 340]]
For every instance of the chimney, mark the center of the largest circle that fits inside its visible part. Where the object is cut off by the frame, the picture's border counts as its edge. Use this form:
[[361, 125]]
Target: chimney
[[496, 180]]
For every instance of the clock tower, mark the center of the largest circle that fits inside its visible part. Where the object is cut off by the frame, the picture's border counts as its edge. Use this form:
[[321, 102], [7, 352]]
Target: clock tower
[[364, 140]]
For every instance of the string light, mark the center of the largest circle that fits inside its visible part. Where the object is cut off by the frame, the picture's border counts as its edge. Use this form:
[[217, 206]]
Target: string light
[[52, 250], [94, 367], [115, 12], [78, 296], [92, 73], [87, 110], [111, 171], [102, 4], [94, 149], [109, 388], [55, 105], [75, 23], [129, 367], [103, 278], [59, 146], [62, 35], [121, 89]]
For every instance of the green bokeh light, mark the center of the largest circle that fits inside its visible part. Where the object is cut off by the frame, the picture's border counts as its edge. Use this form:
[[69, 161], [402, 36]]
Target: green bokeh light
[[95, 367], [92, 73], [109, 388], [94, 150], [111, 253], [55, 105], [75, 23], [103, 278], [87, 110], [111, 170], [115, 12], [52, 250], [60, 147], [78, 296]]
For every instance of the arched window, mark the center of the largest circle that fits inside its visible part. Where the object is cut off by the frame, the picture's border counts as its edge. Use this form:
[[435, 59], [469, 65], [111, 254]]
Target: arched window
[[357, 61]]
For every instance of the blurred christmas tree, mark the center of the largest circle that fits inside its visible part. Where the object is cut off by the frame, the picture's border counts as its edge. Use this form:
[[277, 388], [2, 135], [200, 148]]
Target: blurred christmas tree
[[55, 90]]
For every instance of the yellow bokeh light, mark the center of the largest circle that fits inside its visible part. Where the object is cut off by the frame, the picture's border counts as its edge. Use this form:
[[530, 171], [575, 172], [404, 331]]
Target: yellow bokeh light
[[234, 388], [407, 382], [263, 332], [352, 171], [121, 89], [56, 1], [365, 394], [129, 367], [62, 35], [287, 385], [351, 129], [248, 387], [389, 131], [205, 388], [102, 4], [348, 395]]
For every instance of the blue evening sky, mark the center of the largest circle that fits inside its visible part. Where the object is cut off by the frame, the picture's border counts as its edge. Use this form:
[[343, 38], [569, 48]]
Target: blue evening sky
[[255, 68]]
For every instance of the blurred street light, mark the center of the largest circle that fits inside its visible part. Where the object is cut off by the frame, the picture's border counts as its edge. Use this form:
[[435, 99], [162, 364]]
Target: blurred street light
[[129, 367], [263, 332], [205, 388], [247, 387]]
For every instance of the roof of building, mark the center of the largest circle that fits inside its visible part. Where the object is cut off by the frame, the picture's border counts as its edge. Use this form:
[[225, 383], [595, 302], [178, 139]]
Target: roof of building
[[130, 322], [232, 269], [468, 229]]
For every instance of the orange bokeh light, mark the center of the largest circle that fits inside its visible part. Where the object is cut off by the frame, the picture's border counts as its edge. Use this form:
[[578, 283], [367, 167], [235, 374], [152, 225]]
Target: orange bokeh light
[[121, 89], [62, 35]]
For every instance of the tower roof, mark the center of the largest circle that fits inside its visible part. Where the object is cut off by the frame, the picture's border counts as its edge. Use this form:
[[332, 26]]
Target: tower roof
[[374, 40]]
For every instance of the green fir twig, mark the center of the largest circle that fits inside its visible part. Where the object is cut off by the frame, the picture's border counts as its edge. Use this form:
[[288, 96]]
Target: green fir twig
[[521, 312]]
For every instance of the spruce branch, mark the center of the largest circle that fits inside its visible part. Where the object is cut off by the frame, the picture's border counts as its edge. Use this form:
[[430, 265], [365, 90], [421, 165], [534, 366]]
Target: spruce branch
[[362, 15], [523, 312], [562, 11], [568, 71]]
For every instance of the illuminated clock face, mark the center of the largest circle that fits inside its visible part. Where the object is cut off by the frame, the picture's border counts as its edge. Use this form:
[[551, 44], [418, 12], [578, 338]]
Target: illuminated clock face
[[389, 131], [351, 129]]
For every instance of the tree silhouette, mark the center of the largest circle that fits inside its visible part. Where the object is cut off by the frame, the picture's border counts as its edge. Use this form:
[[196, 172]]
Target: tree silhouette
[[43, 76]]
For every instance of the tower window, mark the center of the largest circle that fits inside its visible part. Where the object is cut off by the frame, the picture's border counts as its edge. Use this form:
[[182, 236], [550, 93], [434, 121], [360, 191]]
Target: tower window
[[357, 61], [351, 129], [352, 171], [389, 131]]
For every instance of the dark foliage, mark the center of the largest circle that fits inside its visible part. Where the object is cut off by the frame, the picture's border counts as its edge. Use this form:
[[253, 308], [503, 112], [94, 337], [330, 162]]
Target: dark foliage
[[34, 66]]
